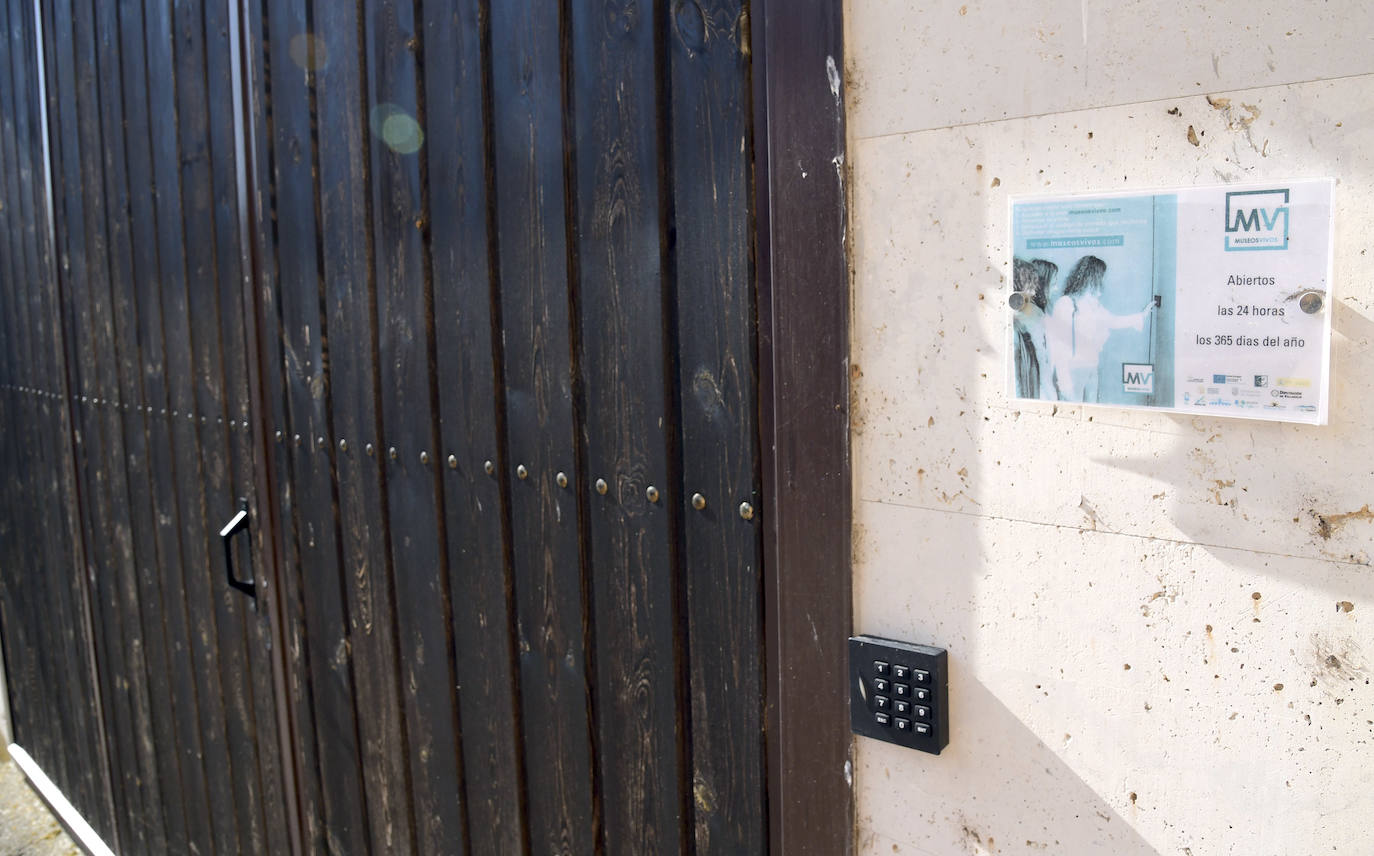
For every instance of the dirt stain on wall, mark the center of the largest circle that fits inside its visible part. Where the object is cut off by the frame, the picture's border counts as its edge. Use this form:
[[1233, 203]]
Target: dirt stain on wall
[[1329, 523]]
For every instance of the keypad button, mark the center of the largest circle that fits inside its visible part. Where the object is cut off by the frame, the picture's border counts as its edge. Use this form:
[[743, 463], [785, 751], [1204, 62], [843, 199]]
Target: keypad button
[[920, 677], [901, 673], [881, 685], [922, 712], [920, 694], [903, 724], [881, 702], [880, 668], [901, 690], [921, 728], [883, 719], [901, 707]]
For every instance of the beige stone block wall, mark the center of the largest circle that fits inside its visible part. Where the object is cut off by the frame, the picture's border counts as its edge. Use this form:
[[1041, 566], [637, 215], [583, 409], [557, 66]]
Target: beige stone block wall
[[1161, 627]]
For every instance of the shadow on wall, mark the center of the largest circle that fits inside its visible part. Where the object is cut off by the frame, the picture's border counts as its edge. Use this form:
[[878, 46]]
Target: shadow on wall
[[1006, 770], [1224, 475]]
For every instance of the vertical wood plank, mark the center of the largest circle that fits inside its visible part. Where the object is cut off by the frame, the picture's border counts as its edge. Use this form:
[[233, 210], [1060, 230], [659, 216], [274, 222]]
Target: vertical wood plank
[[228, 452], [719, 388], [332, 799], [43, 707], [269, 102], [144, 829], [111, 558], [148, 829], [528, 125], [619, 227], [306, 353], [404, 306], [50, 662], [20, 425], [182, 552], [87, 703], [13, 634], [276, 538], [345, 235], [205, 192], [186, 248], [158, 606], [469, 410]]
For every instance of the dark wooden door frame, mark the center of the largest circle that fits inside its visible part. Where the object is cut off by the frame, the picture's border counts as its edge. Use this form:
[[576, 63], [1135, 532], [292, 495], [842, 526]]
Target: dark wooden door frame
[[803, 306]]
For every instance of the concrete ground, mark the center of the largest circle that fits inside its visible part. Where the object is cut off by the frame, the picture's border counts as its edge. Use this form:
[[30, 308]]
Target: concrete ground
[[27, 828]]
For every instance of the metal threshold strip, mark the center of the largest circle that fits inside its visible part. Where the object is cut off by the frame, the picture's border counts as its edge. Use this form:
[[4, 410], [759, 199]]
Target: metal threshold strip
[[66, 812]]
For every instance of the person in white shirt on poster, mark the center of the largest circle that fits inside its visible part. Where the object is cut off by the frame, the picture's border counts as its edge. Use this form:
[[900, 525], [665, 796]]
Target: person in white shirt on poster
[[1078, 326]]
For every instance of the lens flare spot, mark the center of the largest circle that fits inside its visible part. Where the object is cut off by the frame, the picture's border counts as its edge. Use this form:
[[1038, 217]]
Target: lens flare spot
[[308, 51], [397, 129]]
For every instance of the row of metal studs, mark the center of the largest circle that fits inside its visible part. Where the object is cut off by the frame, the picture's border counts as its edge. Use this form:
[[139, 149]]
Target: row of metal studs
[[117, 405], [746, 510]]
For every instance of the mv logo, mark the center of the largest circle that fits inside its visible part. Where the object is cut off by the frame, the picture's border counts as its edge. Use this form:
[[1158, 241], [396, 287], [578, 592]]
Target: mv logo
[[1257, 220], [1138, 377]]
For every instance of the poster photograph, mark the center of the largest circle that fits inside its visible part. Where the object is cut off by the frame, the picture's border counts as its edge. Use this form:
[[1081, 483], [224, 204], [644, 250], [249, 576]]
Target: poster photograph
[[1193, 300]]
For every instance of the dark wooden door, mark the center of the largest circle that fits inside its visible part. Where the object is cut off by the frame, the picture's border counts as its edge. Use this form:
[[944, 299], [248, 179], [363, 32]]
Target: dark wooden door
[[458, 296], [508, 343], [148, 295]]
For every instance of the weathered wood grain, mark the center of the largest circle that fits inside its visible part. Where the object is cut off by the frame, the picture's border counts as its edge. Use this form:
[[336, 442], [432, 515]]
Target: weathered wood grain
[[619, 229], [90, 693], [345, 234], [476, 230], [527, 125], [404, 300], [227, 449], [718, 391], [185, 249], [469, 409], [317, 581], [156, 545], [110, 559], [279, 691], [148, 829]]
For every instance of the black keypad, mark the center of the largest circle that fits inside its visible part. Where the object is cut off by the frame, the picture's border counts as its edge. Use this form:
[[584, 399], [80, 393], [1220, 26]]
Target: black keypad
[[898, 693]]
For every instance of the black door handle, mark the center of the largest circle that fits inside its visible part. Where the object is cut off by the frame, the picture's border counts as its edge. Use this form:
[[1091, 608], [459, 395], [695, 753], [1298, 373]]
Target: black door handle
[[239, 523]]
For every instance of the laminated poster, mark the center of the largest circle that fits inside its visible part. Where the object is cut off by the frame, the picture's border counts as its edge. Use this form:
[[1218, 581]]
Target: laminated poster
[[1207, 300]]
